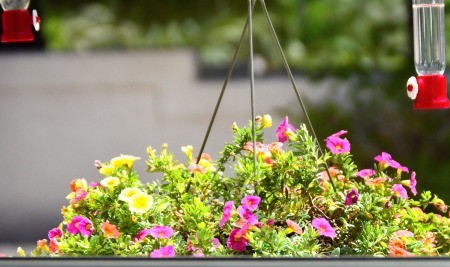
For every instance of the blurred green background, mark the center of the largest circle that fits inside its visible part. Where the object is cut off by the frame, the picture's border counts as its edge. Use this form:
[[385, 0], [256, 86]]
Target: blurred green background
[[365, 44]]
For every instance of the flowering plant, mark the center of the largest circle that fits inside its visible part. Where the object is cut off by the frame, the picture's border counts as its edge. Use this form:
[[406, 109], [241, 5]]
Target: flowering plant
[[294, 201]]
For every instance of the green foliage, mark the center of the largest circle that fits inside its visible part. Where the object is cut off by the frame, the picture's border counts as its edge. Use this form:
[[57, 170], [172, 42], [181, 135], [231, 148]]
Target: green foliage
[[292, 201]]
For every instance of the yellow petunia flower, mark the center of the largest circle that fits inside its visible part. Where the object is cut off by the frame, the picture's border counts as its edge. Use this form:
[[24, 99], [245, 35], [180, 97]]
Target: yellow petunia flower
[[21, 252], [106, 170], [188, 151], [123, 160], [128, 193], [140, 203], [110, 182]]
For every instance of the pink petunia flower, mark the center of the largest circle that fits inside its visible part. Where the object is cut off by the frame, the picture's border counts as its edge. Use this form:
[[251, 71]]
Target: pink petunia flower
[[402, 233], [80, 225], [226, 213], [164, 252], [245, 228], [196, 168], [198, 253], [323, 227], [352, 197], [250, 202], [294, 227], [379, 181], [80, 194], [284, 129], [236, 243], [98, 164], [337, 145], [399, 191], [54, 233], [94, 184], [413, 183], [366, 173], [216, 243], [160, 231]]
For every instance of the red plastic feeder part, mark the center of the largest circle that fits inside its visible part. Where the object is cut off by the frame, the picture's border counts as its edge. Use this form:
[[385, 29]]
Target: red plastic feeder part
[[17, 26], [432, 92]]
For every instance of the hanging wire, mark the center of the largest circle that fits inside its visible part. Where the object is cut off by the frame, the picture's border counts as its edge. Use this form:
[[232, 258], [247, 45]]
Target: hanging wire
[[291, 78], [224, 86], [252, 84]]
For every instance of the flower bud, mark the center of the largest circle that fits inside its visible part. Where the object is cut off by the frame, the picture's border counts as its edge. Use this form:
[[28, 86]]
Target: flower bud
[[440, 205], [258, 119], [234, 127], [267, 121]]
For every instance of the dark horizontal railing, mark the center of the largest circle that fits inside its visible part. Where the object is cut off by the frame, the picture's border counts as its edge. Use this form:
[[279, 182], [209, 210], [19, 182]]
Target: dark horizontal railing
[[231, 262]]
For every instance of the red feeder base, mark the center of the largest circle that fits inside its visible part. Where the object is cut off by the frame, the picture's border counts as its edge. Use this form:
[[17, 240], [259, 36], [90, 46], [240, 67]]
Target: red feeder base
[[17, 26], [432, 93]]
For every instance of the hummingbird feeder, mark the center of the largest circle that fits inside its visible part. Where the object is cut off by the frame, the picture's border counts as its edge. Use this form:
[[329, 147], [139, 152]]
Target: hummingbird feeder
[[429, 88], [17, 21]]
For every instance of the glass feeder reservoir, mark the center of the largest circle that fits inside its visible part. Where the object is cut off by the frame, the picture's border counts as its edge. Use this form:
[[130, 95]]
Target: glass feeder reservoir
[[17, 21], [429, 89]]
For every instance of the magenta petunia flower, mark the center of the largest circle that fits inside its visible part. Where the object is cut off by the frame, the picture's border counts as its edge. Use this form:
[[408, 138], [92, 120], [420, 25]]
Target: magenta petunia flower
[[337, 135], [246, 215], [86, 227], [399, 191], [284, 130], [226, 213], [323, 227], [383, 158], [394, 164], [236, 243], [413, 183], [160, 231], [80, 225], [336, 144], [386, 159], [250, 202], [387, 205], [164, 252], [72, 227], [141, 235], [54, 233], [352, 197], [366, 173]]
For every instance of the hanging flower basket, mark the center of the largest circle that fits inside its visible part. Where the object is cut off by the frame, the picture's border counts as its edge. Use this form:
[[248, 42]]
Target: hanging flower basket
[[287, 204]]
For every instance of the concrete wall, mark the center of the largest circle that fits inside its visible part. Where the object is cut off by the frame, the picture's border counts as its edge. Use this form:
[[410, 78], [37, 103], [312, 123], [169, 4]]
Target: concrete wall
[[60, 112]]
